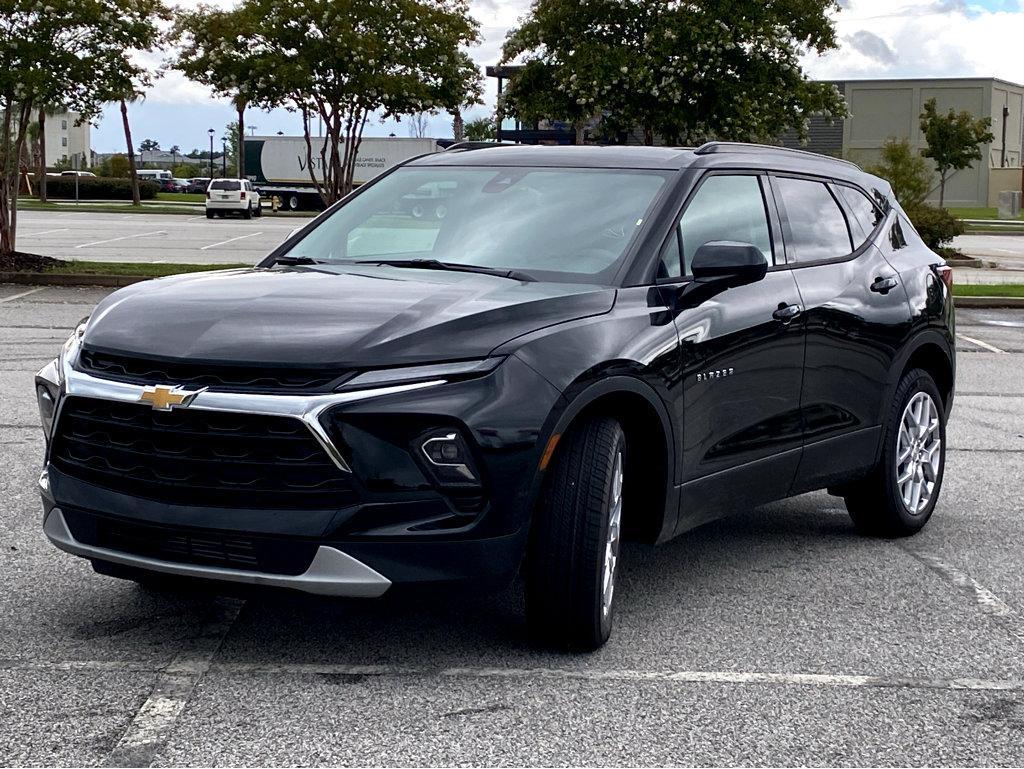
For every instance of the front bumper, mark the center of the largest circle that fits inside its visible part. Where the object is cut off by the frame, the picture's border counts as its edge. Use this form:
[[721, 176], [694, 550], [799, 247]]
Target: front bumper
[[396, 530], [331, 571]]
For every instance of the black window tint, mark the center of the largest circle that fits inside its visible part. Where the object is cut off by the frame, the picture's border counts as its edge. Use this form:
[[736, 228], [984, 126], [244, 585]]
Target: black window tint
[[817, 226], [866, 216], [726, 208], [229, 185]]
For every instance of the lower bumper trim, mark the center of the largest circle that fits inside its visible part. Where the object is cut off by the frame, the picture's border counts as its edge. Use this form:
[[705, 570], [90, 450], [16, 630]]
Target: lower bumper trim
[[331, 572]]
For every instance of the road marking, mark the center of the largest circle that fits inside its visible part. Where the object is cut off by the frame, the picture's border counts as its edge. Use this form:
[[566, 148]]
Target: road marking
[[150, 728], [978, 342], [230, 240], [123, 237], [23, 293], [44, 232], [162, 711]]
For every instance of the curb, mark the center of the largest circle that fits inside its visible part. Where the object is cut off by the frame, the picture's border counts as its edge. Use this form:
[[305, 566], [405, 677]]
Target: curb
[[66, 279], [989, 302]]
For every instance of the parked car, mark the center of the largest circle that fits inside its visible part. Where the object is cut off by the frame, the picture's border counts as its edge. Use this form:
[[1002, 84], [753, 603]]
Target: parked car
[[198, 185], [592, 344], [225, 196], [77, 173]]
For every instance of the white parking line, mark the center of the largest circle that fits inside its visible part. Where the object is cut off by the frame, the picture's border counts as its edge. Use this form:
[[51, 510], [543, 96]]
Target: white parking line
[[230, 240], [978, 342], [23, 293], [123, 237], [44, 232]]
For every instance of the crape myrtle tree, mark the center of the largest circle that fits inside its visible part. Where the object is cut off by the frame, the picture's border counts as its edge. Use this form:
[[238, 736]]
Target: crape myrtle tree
[[351, 61], [690, 72], [954, 140], [215, 49], [64, 52]]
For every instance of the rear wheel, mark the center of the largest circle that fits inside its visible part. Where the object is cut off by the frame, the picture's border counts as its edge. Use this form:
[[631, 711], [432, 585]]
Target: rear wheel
[[899, 496], [209, 214], [247, 214], [573, 557]]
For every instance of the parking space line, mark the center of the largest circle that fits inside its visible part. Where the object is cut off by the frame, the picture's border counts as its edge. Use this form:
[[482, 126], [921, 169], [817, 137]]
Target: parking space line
[[22, 294], [123, 237], [44, 232], [230, 240], [152, 724], [980, 343], [161, 712]]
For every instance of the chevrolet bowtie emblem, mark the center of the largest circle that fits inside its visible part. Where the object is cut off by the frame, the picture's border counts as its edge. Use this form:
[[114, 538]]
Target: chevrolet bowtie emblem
[[166, 398]]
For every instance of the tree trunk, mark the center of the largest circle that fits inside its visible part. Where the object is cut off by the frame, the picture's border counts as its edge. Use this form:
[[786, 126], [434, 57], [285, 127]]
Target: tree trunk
[[942, 189], [41, 180], [458, 127], [578, 128], [240, 160], [11, 173], [136, 199], [648, 136]]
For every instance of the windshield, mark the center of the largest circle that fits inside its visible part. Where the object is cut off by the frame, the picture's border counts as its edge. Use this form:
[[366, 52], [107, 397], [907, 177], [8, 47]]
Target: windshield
[[564, 224]]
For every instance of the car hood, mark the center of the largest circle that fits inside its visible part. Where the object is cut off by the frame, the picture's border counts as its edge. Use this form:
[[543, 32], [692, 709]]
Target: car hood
[[357, 317]]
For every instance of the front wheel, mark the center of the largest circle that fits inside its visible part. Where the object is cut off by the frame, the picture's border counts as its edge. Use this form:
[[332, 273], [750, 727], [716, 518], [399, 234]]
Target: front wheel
[[573, 556], [899, 496]]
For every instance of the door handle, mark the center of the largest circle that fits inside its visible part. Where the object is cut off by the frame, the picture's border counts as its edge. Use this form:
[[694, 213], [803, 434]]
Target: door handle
[[884, 285], [787, 312]]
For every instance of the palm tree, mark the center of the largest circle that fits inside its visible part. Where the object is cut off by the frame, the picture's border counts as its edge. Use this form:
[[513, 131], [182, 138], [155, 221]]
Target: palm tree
[[136, 199]]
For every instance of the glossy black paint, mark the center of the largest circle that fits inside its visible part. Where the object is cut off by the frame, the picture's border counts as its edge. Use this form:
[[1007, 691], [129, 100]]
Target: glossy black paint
[[731, 394]]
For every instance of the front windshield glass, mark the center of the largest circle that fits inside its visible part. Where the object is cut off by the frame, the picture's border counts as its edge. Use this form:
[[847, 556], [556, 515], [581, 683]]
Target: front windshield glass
[[565, 224]]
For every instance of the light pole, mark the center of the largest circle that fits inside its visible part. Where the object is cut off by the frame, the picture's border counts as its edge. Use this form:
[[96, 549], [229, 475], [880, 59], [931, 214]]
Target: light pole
[[211, 152], [224, 157]]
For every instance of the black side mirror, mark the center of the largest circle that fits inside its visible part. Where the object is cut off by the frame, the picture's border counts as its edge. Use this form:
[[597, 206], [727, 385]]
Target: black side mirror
[[728, 263]]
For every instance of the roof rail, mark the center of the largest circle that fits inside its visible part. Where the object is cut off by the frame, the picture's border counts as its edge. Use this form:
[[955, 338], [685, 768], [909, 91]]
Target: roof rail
[[716, 148], [466, 146]]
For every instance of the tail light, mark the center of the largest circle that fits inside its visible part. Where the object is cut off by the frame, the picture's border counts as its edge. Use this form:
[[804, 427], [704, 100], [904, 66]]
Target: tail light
[[241, 195], [946, 275]]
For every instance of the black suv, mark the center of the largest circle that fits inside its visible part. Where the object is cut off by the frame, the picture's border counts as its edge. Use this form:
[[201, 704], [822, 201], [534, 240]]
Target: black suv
[[590, 344]]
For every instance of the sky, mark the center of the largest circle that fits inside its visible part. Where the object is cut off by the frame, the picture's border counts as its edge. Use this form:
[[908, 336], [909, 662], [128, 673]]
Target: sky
[[877, 39]]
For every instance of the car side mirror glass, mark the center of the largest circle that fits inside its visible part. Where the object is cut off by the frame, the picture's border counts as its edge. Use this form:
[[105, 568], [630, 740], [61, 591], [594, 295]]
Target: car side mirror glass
[[729, 263]]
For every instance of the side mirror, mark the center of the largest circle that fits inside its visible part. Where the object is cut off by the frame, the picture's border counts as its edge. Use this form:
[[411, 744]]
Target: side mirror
[[728, 263]]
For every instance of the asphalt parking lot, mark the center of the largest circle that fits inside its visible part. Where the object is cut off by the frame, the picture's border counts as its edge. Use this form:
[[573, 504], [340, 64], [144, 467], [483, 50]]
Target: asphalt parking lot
[[171, 238], [776, 637]]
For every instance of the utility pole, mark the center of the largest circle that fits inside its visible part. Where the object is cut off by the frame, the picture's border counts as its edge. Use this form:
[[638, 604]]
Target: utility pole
[[210, 131]]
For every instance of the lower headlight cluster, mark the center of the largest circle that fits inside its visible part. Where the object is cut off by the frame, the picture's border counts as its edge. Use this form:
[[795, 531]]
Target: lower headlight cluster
[[449, 459]]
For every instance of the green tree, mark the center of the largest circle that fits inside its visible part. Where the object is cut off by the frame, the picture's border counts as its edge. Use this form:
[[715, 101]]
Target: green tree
[[687, 71], [480, 130], [954, 140], [905, 170], [119, 167], [61, 52], [149, 145], [342, 61]]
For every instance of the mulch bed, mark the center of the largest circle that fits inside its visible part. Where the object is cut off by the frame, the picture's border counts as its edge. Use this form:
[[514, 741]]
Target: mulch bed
[[19, 261]]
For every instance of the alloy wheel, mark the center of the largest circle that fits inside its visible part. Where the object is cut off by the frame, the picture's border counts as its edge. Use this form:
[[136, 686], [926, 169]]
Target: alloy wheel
[[613, 538], [918, 453]]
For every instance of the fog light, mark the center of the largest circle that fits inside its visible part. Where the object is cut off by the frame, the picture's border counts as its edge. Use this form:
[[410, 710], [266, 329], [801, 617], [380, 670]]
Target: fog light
[[449, 459], [47, 407]]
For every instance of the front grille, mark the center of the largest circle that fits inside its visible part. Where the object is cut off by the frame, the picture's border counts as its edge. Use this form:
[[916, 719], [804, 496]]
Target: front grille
[[193, 546], [125, 368], [199, 458]]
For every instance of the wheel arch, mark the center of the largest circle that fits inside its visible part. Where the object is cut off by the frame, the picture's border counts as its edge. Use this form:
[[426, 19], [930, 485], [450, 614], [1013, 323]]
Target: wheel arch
[[650, 515], [930, 352]]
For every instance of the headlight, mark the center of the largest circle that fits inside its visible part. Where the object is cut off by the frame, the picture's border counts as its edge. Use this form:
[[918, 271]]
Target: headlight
[[46, 396], [407, 374], [50, 379], [70, 347]]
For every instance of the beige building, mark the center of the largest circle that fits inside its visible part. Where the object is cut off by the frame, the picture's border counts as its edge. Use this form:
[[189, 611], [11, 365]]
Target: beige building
[[881, 109], [65, 141]]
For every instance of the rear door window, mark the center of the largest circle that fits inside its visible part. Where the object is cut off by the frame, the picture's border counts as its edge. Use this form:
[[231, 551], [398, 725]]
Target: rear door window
[[817, 228], [865, 214]]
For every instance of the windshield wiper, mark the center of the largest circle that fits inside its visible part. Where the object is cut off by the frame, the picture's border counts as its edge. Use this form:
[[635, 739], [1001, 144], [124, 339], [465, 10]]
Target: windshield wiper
[[436, 264], [293, 260]]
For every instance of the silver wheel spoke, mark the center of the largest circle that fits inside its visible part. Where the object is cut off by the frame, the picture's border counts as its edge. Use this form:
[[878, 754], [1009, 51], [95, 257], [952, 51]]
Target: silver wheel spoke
[[918, 452], [612, 539]]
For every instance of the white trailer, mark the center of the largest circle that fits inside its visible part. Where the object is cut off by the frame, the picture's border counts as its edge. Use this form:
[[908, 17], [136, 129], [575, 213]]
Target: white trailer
[[278, 165]]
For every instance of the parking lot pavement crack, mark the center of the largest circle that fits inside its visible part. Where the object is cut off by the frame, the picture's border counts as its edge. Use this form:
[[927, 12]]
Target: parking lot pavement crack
[[987, 601], [152, 724]]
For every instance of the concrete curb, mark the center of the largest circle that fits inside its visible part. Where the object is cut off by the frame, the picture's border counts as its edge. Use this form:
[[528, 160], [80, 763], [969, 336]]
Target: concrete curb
[[989, 302]]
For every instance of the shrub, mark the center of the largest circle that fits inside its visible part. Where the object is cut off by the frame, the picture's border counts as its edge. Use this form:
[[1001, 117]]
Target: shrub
[[97, 188], [935, 225], [906, 171]]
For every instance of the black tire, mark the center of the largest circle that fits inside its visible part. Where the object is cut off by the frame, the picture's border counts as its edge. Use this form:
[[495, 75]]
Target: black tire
[[259, 209], [293, 202], [209, 214], [876, 504], [570, 536], [247, 214]]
